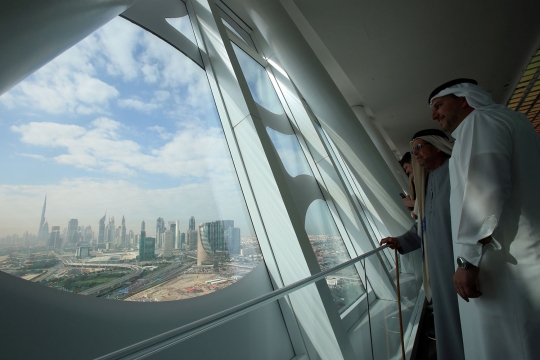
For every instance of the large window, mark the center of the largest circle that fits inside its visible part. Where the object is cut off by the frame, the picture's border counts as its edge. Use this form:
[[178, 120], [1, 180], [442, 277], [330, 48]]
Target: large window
[[324, 237], [118, 181]]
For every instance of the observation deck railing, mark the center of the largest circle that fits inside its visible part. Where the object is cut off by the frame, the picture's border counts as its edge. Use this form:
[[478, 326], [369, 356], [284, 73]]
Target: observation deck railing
[[158, 343]]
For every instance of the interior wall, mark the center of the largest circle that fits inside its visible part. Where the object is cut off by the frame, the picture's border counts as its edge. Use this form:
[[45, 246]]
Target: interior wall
[[40, 322], [34, 32]]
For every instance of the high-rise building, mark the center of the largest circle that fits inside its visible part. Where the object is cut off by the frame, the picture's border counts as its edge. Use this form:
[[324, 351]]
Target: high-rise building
[[173, 226], [182, 240], [192, 223], [55, 242], [204, 249], [168, 243], [43, 234], [110, 233], [101, 233], [45, 231], [215, 231], [143, 226], [191, 239], [72, 231], [160, 229], [232, 239], [147, 246], [88, 234], [123, 231], [131, 237]]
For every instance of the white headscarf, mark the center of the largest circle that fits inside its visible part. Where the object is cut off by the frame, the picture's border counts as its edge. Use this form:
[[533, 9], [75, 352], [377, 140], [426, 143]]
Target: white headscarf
[[476, 96], [420, 177]]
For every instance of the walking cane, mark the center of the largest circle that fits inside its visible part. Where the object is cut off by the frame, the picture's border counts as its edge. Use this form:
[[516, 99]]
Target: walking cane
[[399, 305]]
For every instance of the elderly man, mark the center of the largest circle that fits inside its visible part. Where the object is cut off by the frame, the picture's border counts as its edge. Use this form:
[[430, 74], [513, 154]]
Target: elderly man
[[431, 150], [495, 210]]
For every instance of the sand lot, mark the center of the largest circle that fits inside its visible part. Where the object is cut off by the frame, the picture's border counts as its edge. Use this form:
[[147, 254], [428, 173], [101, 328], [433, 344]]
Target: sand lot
[[176, 288]]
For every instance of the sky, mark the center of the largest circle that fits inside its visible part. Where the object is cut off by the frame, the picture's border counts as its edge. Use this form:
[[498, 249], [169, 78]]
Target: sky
[[121, 123]]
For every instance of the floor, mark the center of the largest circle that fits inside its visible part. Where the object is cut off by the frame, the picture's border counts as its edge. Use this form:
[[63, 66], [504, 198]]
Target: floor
[[425, 347]]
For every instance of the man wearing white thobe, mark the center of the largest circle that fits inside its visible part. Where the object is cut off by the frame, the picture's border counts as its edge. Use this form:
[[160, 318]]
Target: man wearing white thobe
[[495, 210], [431, 150]]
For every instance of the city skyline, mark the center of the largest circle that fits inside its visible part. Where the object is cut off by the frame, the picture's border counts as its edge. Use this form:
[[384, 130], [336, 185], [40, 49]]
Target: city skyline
[[78, 130]]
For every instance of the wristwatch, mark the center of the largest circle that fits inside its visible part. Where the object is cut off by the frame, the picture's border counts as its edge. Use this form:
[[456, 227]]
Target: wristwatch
[[464, 264]]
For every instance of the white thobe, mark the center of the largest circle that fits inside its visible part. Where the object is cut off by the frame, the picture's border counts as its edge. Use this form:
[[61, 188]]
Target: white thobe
[[495, 190]]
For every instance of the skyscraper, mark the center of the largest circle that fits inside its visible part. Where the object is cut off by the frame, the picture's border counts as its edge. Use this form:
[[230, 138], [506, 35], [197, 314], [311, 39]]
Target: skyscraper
[[192, 223], [72, 231], [215, 231], [173, 226], [123, 231], [160, 229], [55, 242], [232, 239], [168, 244], [204, 249], [147, 246], [110, 233], [45, 231], [101, 233], [88, 233], [42, 234]]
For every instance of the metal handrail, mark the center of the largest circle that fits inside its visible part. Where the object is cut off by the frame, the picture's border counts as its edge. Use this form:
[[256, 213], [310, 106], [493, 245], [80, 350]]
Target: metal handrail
[[172, 337]]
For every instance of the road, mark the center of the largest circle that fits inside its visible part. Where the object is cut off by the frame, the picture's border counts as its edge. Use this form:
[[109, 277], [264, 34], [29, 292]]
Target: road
[[136, 271]]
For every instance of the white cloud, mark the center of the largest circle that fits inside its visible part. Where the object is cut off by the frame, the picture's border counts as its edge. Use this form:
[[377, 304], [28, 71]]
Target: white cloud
[[161, 131], [138, 105], [192, 151], [34, 156]]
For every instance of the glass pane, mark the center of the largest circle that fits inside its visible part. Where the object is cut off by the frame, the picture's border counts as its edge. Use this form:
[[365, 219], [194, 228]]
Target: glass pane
[[183, 25], [115, 133], [385, 318], [322, 231], [345, 285], [290, 153], [259, 84], [233, 30]]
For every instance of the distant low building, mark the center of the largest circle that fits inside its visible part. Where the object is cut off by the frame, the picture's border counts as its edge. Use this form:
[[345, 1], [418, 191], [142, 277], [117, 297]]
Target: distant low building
[[83, 252]]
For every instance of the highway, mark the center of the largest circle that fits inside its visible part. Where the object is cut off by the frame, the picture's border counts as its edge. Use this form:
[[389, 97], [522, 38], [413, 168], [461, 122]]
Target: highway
[[136, 271]]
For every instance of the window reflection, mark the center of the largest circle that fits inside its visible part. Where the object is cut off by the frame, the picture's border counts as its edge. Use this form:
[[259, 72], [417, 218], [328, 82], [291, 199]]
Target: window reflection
[[117, 144], [290, 153], [259, 84], [345, 285]]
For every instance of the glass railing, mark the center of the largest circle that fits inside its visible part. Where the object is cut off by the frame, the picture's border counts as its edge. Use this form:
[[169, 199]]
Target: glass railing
[[375, 334]]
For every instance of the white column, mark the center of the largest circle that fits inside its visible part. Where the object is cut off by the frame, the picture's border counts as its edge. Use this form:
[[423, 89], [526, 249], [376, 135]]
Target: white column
[[380, 143]]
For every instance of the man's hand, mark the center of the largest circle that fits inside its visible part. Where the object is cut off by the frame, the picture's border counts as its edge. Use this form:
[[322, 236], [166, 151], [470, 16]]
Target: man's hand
[[392, 242], [408, 202], [466, 283]]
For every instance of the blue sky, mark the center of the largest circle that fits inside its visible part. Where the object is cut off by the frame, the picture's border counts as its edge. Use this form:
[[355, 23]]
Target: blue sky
[[120, 122]]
